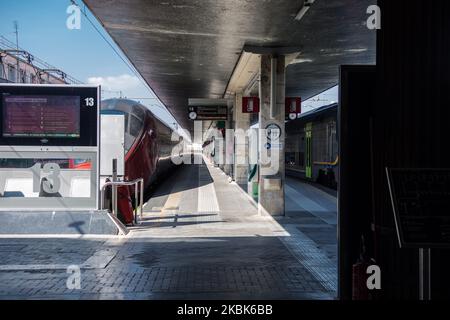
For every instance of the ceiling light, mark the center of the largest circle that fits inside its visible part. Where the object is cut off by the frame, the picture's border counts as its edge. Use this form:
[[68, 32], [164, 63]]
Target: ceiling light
[[357, 50], [301, 60]]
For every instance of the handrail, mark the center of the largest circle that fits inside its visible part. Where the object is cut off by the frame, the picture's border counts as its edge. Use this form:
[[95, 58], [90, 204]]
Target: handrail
[[333, 164], [136, 184]]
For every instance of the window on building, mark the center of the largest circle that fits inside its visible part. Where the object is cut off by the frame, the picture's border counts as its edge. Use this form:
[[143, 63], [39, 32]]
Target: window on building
[[23, 76], [12, 73]]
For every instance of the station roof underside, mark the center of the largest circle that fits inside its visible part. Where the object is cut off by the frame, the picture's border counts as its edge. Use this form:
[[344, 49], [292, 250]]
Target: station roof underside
[[189, 49]]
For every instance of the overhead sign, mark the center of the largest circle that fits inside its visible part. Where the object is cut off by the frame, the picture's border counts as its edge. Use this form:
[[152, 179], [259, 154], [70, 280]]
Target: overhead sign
[[421, 204], [293, 106], [208, 113], [250, 105]]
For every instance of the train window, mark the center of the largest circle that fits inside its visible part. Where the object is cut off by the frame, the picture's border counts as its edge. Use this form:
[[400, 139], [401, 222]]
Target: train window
[[135, 126], [129, 140], [331, 140], [127, 130], [138, 112]]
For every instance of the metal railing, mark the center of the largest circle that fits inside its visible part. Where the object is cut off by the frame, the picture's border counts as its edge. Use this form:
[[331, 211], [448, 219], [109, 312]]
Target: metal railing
[[138, 196]]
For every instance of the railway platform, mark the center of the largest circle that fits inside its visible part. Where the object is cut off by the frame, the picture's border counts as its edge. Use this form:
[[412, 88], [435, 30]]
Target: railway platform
[[200, 237]]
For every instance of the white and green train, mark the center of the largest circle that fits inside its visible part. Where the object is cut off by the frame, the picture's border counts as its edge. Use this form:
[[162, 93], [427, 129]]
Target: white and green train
[[312, 146]]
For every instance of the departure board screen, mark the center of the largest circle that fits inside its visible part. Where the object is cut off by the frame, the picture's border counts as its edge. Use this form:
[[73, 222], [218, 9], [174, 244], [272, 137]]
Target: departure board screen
[[41, 116]]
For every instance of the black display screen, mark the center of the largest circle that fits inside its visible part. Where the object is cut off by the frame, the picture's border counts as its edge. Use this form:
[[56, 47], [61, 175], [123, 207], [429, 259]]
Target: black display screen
[[47, 115], [41, 116]]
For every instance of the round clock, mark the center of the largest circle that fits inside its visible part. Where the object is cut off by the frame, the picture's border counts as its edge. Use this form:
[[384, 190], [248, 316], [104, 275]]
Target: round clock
[[193, 115], [273, 132]]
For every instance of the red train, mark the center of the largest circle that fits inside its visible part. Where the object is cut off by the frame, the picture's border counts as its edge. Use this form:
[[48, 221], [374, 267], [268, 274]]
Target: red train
[[148, 149]]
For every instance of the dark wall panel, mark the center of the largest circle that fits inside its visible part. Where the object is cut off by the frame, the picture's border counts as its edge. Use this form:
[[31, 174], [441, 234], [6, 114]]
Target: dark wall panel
[[411, 125], [356, 103]]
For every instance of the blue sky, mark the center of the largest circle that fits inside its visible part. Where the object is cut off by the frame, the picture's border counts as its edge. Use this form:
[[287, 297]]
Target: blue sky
[[325, 98], [43, 31], [82, 53]]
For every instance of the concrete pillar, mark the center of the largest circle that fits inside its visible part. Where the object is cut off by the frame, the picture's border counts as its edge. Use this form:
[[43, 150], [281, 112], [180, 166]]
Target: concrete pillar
[[219, 146], [241, 125], [271, 151], [222, 150], [229, 142]]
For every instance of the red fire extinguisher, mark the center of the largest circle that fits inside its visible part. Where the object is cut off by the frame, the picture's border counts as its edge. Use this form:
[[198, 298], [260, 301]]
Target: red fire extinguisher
[[360, 291], [124, 206]]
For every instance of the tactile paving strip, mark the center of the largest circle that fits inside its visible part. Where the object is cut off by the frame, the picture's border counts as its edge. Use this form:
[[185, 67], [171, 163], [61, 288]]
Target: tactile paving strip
[[207, 198], [312, 258]]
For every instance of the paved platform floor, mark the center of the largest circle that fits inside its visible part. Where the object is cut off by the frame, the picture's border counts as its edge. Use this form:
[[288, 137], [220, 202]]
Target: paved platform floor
[[201, 237]]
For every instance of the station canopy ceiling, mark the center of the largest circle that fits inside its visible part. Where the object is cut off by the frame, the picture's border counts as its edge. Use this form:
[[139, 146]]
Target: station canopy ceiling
[[189, 48]]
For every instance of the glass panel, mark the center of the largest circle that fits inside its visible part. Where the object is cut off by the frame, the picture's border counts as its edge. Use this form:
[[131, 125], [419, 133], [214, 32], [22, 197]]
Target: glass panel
[[12, 74], [138, 112], [135, 126], [45, 178]]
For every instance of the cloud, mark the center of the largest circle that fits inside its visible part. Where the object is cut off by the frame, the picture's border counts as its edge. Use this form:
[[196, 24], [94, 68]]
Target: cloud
[[116, 83]]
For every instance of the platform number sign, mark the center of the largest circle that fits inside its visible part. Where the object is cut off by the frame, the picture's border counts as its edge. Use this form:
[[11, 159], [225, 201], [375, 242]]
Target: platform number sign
[[90, 102], [52, 181]]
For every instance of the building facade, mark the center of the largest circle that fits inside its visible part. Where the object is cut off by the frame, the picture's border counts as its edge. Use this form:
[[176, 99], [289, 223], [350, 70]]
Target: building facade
[[20, 66], [17, 70]]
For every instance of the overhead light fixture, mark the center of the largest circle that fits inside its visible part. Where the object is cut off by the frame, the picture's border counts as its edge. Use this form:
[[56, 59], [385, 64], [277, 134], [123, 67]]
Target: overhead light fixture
[[301, 60], [306, 5], [356, 50]]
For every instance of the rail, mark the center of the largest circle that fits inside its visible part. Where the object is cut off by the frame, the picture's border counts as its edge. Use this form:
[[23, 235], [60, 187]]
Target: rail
[[138, 196], [333, 164]]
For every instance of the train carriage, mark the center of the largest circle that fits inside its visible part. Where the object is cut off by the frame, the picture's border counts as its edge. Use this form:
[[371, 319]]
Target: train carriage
[[312, 146], [148, 149]]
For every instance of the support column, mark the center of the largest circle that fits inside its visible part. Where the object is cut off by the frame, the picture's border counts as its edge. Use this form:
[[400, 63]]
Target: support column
[[222, 146], [241, 125], [229, 141], [271, 149]]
